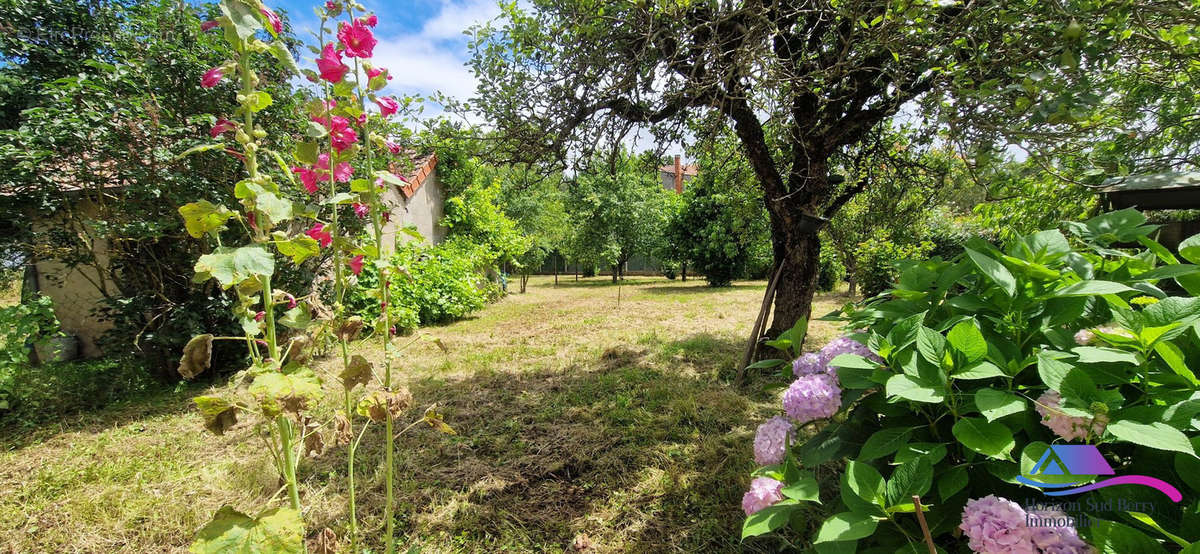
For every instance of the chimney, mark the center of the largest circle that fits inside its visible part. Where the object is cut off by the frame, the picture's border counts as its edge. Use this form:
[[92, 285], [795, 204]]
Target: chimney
[[678, 176]]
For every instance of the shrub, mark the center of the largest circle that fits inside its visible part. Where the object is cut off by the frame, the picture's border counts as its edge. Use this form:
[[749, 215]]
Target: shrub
[[446, 282], [831, 271], [955, 385], [48, 391], [878, 260]]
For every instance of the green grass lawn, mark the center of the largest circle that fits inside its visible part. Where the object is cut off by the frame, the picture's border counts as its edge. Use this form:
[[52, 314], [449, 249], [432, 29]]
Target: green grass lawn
[[583, 425]]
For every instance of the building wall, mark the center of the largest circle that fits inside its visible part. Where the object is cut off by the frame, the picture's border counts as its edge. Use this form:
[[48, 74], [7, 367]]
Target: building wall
[[74, 291], [423, 209]]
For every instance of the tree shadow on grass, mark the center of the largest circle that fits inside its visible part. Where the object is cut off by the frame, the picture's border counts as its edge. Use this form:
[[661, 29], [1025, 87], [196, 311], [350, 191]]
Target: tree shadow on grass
[[703, 288], [635, 457]]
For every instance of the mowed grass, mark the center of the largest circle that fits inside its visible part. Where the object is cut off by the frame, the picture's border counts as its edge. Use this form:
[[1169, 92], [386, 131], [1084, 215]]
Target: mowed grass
[[585, 424]]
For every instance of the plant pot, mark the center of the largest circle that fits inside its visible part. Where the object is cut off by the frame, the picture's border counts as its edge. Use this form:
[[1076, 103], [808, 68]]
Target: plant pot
[[57, 349]]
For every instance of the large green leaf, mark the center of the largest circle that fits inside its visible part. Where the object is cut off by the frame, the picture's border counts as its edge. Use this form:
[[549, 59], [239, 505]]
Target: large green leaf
[[204, 217], [1155, 435], [931, 344], [290, 392], [995, 404], [1114, 538], [883, 442], [804, 487], [243, 18], [987, 438], [994, 270], [231, 266], [766, 520], [1090, 288], [846, 526], [915, 389], [913, 477], [297, 248], [862, 488], [966, 339], [276, 531]]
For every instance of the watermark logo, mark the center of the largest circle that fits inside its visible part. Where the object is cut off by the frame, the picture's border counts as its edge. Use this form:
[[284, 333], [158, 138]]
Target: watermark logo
[[1085, 460]]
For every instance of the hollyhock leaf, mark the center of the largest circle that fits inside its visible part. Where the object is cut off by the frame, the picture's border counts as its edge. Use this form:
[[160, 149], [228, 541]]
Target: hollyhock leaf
[[360, 185], [314, 130], [260, 101], [296, 318], [279, 530], [200, 148], [341, 198], [276, 209], [307, 152], [990, 439], [204, 217], [231, 266], [297, 248], [243, 18], [286, 392], [344, 88], [197, 355], [357, 372], [846, 526], [219, 414], [391, 178]]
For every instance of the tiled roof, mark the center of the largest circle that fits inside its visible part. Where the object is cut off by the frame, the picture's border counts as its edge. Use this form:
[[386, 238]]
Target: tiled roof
[[690, 170], [422, 167]]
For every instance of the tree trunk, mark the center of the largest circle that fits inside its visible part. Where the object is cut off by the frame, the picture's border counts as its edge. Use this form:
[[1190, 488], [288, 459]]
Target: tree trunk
[[798, 252], [614, 272], [683, 273]]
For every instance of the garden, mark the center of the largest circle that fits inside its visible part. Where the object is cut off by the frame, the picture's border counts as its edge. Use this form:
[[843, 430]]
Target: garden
[[623, 277]]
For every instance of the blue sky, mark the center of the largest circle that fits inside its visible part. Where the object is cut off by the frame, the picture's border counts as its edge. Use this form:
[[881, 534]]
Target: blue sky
[[420, 41]]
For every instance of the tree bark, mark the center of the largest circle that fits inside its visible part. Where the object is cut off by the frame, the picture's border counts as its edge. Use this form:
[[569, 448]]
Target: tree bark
[[614, 272]]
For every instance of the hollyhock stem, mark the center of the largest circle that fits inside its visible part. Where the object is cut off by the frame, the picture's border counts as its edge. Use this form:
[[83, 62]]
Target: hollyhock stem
[[340, 291]]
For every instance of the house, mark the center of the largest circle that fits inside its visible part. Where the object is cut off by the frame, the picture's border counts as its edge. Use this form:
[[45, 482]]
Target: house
[[76, 291], [674, 177], [1157, 191]]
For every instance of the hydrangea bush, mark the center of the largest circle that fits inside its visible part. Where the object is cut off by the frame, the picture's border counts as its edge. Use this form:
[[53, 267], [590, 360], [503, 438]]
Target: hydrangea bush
[[957, 381]]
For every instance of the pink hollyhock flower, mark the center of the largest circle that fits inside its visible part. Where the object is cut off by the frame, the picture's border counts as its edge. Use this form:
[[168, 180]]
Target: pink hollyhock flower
[[308, 178], [342, 172], [387, 105], [770, 440], [1063, 425], [259, 316], [812, 397], [341, 134], [764, 492], [357, 39], [319, 234], [251, 220], [356, 264], [291, 300], [370, 20], [362, 119], [995, 525], [209, 25], [223, 125], [273, 19], [212, 77], [330, 65], [377, 71], [332, 7], [387, 216], [392, 331], [392, 147], [361, 210]]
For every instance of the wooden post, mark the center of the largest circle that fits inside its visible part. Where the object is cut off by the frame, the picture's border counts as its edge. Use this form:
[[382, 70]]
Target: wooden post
[[556, 269], [924, 526], [759, 322]]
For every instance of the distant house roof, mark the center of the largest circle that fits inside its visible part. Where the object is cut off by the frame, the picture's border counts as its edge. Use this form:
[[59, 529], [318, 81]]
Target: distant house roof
[[1157, 191], [689, 170], [423, 167]]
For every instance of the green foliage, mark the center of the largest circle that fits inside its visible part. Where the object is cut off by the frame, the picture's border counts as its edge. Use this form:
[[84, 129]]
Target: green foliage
[[717, 227], [877, 261], [969, 346], [446, 280], [831, 271], [33, 395], [475, 216], [279, 530]]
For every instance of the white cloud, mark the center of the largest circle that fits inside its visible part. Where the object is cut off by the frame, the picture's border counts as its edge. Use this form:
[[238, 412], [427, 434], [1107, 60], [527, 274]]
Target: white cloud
[[455, 17]]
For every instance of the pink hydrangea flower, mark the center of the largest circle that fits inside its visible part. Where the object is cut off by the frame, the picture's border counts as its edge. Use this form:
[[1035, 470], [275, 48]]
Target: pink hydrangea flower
[[812, 397], [387, 105], [356, 264], [209, 25], [1063, 425], [771, 439], [846, 345], [319, 234], [361, 210], [1084, 337], [995, 525], [330, 65], [1053, 532], [808, 364], [764, 492], [308, 178], [357, 38], [212, 77], [222, 126], [272, 19]]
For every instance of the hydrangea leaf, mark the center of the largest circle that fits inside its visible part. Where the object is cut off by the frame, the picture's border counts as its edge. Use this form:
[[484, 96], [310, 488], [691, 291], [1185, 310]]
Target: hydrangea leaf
[[990, 439], [846, 526], [276, 531]]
